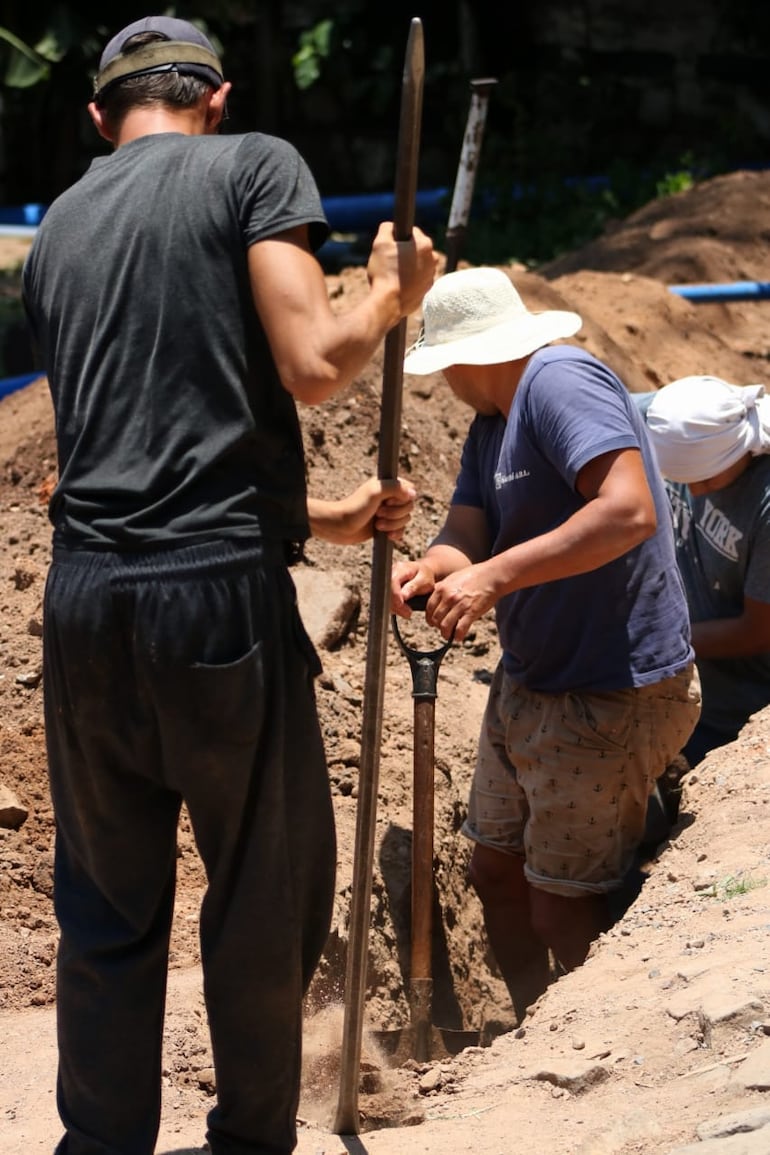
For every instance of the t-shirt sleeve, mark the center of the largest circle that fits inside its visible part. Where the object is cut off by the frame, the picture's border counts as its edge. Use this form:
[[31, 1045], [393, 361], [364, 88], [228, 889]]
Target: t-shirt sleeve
[[575, 411], [277, 191]]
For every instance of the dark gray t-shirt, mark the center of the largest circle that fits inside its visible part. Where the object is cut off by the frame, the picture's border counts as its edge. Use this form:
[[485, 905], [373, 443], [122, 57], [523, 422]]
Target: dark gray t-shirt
[[172, 425], [723, 550], [723, 553]]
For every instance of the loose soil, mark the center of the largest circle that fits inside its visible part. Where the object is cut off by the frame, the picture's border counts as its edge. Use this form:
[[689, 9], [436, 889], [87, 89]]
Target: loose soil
[[661, 1036]]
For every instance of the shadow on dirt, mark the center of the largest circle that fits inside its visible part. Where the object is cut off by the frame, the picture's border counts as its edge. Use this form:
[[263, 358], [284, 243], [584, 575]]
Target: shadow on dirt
[[187, 1151], [395, 852]]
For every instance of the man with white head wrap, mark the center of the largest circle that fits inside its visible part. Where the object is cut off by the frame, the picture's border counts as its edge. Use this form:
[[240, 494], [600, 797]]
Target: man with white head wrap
[[712, 444]]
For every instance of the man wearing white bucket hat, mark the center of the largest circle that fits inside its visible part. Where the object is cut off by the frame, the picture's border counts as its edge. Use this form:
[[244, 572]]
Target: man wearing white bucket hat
[[712, 443], [560, 521]]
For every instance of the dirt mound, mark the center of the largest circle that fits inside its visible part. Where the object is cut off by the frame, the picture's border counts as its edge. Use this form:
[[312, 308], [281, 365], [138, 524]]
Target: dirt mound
[[647, 1040], [715, 232]]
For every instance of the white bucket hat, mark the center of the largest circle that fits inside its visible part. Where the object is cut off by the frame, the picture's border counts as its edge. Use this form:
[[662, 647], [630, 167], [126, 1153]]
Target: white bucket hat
[[476, 317], [700, 426]]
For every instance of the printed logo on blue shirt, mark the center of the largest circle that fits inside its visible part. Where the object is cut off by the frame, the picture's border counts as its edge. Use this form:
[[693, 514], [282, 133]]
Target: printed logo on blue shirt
[[502, 479]]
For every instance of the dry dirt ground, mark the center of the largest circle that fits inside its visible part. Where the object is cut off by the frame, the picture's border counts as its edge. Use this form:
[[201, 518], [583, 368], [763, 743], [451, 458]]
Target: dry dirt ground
[[659, 1043]]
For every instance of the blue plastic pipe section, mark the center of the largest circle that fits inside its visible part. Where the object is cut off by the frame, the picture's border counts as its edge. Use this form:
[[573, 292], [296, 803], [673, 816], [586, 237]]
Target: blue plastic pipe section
[[22, 214], [733, 291], [346, 214], [353, 214], [11, 384]]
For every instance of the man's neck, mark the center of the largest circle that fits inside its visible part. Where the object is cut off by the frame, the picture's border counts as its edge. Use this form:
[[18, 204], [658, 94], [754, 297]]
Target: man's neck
[[723, 479], [507, 377], [155, 119]]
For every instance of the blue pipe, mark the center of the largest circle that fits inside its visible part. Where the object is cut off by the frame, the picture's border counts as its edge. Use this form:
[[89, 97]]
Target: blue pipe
[[22, 214], [11, 384], [735, 291], [346, 214], [351, 214]]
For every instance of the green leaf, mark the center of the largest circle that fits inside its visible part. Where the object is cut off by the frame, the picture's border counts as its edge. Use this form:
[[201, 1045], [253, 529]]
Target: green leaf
[[314, 46], [306, 70], [51, 47], [25, 66], [323, 37]]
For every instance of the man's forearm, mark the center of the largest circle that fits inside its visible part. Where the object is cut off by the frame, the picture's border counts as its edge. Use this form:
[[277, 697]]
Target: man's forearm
[[727, 638], [583, 543], [323, 517], [318, 350], [443, 559]]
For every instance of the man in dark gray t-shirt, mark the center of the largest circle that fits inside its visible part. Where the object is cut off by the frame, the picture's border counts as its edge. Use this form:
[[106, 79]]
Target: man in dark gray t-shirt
[[712, 443], [180, 312]]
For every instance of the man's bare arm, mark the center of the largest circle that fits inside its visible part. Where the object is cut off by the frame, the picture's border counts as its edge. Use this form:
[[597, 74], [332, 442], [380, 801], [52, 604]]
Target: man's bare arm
[[463, 540], [619, 514], [375, 505], [318, 351], [738, 637]]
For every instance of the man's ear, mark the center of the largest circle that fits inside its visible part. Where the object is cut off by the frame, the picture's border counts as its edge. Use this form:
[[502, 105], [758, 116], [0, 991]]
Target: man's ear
[[217, 107], [100, 122]]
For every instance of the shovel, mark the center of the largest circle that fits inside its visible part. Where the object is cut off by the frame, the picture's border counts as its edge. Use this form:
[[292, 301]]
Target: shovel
[[422, 1040]]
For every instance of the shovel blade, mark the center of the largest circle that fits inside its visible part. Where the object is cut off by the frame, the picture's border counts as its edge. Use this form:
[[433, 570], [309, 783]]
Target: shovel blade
[[399, 1045]]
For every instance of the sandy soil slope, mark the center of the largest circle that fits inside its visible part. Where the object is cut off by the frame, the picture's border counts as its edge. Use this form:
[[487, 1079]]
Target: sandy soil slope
[[665, 1029]]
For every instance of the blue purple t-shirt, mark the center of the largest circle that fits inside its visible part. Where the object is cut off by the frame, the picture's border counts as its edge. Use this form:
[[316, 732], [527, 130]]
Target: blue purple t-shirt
[[624, 624]]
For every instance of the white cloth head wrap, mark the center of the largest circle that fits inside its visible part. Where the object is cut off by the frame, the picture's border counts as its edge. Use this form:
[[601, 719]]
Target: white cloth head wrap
[[700, 426]]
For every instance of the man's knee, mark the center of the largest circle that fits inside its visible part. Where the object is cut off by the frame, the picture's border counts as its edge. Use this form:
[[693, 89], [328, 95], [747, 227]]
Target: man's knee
[[549, 911], [568, 925], [496, 877]]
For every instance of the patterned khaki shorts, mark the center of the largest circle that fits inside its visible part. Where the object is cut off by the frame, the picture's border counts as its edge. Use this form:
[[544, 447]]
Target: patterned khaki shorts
[[564, 778]]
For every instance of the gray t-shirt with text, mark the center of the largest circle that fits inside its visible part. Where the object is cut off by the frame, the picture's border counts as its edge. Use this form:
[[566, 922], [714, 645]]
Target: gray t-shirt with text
[[723, 552]]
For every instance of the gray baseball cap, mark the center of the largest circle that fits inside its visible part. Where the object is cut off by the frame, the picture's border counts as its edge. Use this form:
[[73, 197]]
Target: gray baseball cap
[[184, 49]]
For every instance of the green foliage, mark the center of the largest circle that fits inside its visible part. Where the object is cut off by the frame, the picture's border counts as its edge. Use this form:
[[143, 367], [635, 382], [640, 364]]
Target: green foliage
[[314, 46], [64, 34], [532, 205], [24, 66], [537, 222], [733, 886], [674, 182], [67, 38], [552, 114]]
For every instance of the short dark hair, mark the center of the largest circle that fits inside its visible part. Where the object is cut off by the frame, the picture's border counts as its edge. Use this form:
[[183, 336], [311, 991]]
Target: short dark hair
[[171, 88]]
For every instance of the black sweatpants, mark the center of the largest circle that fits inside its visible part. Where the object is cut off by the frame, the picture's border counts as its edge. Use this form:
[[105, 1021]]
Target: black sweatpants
[[183, 675]]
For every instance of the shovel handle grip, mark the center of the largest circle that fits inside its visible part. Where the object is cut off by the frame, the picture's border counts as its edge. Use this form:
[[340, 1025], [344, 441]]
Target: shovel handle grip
[[424, 664], [418, 602]]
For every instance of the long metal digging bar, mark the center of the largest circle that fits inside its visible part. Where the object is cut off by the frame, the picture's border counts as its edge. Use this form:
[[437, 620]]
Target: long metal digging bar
[[347, 1120], [465, 180]]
